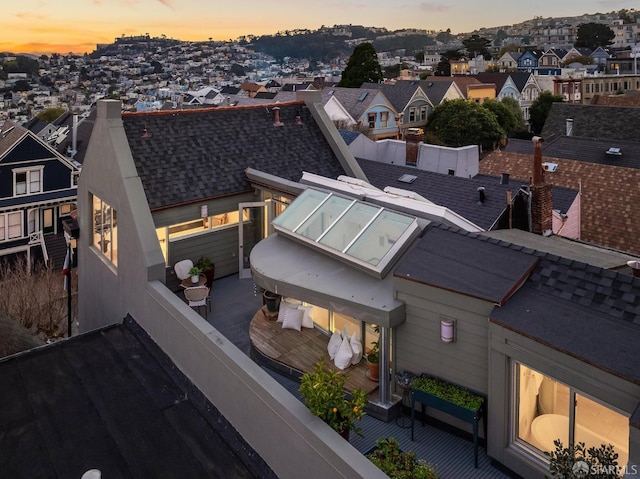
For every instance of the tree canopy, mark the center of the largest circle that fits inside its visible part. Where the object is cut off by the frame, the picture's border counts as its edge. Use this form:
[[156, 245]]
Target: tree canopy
[[540, 110], [50, 114], [594, 35], [362, 67], [515, 108], [504, 115], [460, 122], [477, 45]]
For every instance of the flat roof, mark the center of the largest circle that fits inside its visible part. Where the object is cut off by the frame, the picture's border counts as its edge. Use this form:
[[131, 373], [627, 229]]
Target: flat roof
[[112, 400]]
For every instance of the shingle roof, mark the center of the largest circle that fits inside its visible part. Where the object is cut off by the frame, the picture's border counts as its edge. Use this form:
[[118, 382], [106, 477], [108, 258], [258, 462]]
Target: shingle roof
[[498, 79], [85, 127], [349, 136], [191, 155], [520, 79], [581, 310], [593, 121], [484, 271], [398, 93], [111, 400], [436, 90], [355, 100], [458, 194], [609, 194]]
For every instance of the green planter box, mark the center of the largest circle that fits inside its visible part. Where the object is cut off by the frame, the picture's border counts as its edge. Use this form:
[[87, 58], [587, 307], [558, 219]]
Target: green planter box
[[463, 413]]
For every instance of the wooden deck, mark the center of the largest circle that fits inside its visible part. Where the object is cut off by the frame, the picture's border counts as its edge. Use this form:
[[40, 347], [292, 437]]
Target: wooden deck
[[300, 350]]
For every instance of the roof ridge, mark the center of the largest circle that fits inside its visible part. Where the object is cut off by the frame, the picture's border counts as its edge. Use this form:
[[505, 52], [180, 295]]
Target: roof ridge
[[212, 108]]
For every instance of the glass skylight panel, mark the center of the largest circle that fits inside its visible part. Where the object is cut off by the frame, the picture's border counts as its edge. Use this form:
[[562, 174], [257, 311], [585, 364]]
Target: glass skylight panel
[[300, 209], [323, 217], [380, 237], [349, 226]]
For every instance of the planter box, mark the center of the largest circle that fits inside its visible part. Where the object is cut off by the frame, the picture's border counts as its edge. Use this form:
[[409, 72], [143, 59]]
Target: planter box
[[430, 400]]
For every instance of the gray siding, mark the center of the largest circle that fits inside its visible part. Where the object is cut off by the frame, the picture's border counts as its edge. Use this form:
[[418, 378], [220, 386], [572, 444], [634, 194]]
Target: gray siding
[[220, 246], [507, 346], [418, 347]]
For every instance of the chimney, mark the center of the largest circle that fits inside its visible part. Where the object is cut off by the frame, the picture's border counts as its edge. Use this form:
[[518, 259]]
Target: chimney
[[537, 160], [541, 195], [569, 126], [413, 138], [504, 179], [276, 116], [298, 118], [74, 136]]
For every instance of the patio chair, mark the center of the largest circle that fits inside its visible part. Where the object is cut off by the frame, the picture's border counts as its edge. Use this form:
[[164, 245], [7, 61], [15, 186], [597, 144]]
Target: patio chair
[[198, 296], [182, 268]]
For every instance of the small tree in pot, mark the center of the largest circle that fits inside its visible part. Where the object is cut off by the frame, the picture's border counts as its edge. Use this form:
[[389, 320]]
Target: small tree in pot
[[323, 393]]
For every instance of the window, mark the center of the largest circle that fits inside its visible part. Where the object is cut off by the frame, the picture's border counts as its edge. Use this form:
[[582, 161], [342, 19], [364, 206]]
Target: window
[[32, 221], [10, 226], [203, 225], [384, 119], [412, 114], [546, 410], [372, 120], [27, 181], [105, 230], [423, 113]]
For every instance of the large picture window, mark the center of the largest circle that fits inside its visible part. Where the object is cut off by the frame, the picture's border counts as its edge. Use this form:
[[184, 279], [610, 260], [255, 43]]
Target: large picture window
[[105, 230], [546, 410], [11, 226]]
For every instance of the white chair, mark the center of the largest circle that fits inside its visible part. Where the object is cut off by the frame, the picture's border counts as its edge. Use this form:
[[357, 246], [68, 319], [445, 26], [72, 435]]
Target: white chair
[[182, 268], [198, 296]]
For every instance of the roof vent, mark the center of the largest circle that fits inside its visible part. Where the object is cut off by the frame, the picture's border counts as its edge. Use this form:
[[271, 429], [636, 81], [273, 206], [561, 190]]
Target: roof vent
[[504, 179], [363, 96], [481, 195], [614, 151], [145, 132], [407, 178]]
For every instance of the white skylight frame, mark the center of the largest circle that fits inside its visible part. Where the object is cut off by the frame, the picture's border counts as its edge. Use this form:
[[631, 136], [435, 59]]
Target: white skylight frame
[[373, 237]]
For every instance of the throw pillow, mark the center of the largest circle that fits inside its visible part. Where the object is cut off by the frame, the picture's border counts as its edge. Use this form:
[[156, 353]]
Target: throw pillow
[[356, 347], [344, 355], [307, 320], [291, 319], [281, 312], [334, 344]]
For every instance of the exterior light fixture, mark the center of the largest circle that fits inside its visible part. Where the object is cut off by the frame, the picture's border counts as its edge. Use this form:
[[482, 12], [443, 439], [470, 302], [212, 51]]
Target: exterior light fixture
[[447, 330]]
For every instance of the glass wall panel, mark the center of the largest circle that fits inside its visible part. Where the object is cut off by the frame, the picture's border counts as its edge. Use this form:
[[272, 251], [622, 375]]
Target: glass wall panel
[[300, 209], [349, 226], [380, 237], [544, 409]]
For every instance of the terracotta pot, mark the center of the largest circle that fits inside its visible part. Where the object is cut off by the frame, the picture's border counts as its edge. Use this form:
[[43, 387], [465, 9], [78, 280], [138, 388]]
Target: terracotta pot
[[374, 371]]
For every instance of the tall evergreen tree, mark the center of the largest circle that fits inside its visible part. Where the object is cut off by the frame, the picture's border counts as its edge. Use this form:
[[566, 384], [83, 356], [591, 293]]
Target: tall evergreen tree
[[594, 35], [540, 109], [362, 67]]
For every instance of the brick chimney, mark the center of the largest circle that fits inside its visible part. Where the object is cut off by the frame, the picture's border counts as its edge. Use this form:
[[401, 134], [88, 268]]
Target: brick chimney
[[541, 195], [413, 138]]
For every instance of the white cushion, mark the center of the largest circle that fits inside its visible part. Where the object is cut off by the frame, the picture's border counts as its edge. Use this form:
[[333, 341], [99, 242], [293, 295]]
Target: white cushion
[[344, 355], [356, 348], [281, 311], [334, 344], [291, 318], [307, 320]]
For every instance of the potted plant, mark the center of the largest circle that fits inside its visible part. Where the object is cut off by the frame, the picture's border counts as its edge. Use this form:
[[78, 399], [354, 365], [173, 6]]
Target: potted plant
[[450, 398], [579, 461], [397, 464], [207, 268], [194, 272], [373, 358], [272, 300], [323, 392]]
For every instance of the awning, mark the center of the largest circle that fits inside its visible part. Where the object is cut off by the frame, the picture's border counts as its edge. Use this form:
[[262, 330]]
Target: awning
[[289, 268]]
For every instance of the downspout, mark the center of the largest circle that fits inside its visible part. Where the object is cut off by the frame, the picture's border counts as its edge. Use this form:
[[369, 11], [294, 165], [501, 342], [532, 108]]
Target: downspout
[[385, 365], [526, 189]]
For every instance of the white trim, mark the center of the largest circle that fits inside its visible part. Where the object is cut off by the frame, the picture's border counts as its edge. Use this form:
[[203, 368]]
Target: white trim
[[6, 226], [28, 171]]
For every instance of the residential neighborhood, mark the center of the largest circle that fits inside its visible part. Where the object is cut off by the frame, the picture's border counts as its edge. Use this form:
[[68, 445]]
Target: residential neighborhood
[[236, 221]]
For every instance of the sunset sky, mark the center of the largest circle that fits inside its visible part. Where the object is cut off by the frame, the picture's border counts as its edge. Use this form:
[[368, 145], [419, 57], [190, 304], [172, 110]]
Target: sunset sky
[[40, 26]]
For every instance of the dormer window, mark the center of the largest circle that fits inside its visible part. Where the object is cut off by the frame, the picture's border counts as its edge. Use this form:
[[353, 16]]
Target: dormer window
[[27, 181]]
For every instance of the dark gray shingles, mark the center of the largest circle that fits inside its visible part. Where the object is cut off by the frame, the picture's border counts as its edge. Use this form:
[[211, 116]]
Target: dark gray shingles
[[460, 263], [188, 156], [458, 194], [398, 93], [593, 121]]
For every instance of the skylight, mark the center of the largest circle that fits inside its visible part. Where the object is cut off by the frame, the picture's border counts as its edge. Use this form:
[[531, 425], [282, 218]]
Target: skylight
[[369, 236]]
